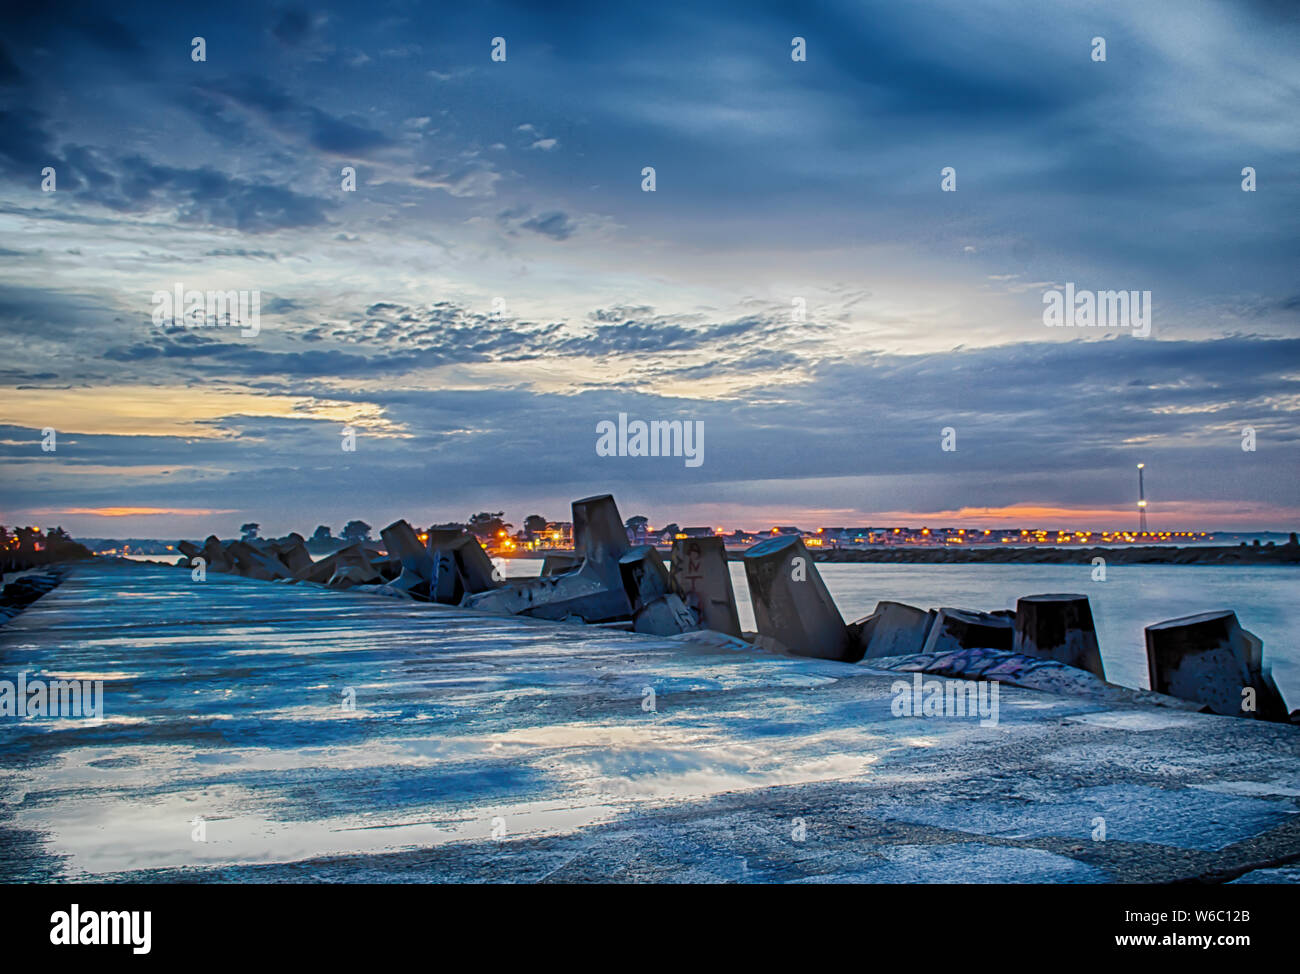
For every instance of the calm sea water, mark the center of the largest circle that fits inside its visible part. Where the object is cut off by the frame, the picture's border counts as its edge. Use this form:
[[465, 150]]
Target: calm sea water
[[1132, 597]]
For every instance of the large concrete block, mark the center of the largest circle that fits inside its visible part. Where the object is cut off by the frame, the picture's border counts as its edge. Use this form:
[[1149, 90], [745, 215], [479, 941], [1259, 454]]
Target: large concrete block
[[445, 585], [966, 629], [214, 552], [478, 574], [557, 563], [701, 577], [190, 550], [894, 629], [593, 592], [293, 554], [1209, 658], [644, 576], [791, 603], [1058, 627], [352, 567], [319, 572], [403, 544], [582, 595], [599, 537], [253, 563], [666, 615], [458, 567], [655, 608]]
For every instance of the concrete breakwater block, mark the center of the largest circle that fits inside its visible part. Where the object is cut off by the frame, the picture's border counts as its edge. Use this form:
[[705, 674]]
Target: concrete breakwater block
[[599, 537], [319, 572], [293, 553], [1058, 627], [557, 563], [214, 553], [402, 543], [593, 592], [701, 578], [1211, 659], [352, 567], [894, 629], [458, 566], [665, 616], [791, 603], [644, 576], [655, 608], [580, 595], [251, 562], [967, 629], [446, 586], [190, 550], [476, 570]]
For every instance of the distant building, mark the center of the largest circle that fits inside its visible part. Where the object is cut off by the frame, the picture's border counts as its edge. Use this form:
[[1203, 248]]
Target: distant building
[[556, 534]]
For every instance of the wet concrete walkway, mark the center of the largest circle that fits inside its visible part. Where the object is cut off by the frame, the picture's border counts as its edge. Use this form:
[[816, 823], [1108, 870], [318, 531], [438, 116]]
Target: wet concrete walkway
[[497, 749]]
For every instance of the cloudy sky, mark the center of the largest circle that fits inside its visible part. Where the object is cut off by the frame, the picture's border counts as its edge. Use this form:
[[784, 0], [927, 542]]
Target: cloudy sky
[[499, 282]]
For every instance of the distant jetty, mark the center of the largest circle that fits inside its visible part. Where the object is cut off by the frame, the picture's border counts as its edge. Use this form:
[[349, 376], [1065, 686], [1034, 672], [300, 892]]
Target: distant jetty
[[1242, 554]]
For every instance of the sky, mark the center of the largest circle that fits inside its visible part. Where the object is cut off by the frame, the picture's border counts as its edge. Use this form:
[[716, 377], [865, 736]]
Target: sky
[[500, 281]]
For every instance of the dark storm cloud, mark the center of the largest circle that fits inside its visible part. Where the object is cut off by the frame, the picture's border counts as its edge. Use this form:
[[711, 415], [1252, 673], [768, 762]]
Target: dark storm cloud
[[343, 137], [206, 195], [291, 116], [9, 73], [133, 183], [555, 225], [294, 26], [391, 339]]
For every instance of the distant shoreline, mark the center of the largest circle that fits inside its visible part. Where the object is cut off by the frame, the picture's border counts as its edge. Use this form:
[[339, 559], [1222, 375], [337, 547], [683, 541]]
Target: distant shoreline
[[1243, 554], [1134, 555]]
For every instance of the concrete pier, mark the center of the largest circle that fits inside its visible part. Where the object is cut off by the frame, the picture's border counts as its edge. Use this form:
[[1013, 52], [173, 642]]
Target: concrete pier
[[326, 736]]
